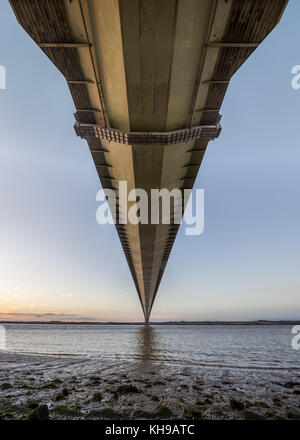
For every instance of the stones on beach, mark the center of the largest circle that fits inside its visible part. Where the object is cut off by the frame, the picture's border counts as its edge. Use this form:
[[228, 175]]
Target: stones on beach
[[141, 414], [250, 415], [276, 401], [105, 413], [192, 414], [57, 380], [261, 404], [290, 384], [205, 401], [97, 397], [32, 404], [124, 389], [145, 396], [293, 414], [40, 413], [127, 388], [65, 392], [49, 385], [59, 396], [161, 412], [236, 405], [52, 385], [5, 386], [65, 410], [25, 386], [62, 395], [95, 381], [159, 382], [95, 378]]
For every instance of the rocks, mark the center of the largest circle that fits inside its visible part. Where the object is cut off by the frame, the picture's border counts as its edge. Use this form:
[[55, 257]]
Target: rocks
[[5, 386], [124, 389], [65, 392], [290, 384], [97, 397], [192, 414], [105, 413], [250, 415], [109, 413], [95, 383], [140, 395], [59, 397], [276, 401], [62, 395], [162, 412], [95, 378], [67, 411], [293, 414], [49, 385], [32, 404], [141, 414], [57, 380], [236, 405], [25, 386], [40, 413], [261, 404], [159, 382], [205, 401]]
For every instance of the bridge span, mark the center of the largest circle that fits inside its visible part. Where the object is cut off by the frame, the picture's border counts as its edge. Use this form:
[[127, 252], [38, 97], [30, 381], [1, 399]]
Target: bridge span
[[148, 78]]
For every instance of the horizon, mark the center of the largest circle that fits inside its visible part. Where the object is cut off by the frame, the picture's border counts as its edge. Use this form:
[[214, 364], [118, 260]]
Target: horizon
[[91, 321]]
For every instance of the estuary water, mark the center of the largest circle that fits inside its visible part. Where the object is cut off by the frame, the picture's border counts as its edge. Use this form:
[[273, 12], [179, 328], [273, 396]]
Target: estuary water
[[230, 346]]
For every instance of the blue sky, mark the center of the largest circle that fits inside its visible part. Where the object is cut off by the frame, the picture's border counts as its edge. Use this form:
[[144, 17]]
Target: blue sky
[[55, 258]]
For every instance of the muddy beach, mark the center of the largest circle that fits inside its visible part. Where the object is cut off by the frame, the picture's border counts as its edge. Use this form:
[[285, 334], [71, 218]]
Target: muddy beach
[[74, 387]]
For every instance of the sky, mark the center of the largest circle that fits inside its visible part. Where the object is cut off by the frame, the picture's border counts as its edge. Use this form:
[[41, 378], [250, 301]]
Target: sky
[[57, 262]]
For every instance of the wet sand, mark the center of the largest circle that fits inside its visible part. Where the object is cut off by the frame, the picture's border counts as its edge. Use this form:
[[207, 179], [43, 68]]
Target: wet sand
[[75, 387]]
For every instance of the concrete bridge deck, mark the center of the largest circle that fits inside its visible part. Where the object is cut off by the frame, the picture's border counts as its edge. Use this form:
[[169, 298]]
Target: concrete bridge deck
[[147, 66]]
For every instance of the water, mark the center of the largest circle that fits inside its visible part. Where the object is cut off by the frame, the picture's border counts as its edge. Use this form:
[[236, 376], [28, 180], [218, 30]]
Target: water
[[258, 347]]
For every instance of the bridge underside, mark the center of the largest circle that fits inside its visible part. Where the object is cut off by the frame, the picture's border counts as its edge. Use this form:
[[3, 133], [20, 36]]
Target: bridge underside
[[148, 66]]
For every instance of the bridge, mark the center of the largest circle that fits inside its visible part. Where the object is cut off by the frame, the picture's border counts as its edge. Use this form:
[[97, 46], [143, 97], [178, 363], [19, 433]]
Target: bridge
[[148, 78]]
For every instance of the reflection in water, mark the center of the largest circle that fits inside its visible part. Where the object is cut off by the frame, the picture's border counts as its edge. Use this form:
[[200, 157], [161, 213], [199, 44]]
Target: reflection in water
[[260, 346], [146, 343]]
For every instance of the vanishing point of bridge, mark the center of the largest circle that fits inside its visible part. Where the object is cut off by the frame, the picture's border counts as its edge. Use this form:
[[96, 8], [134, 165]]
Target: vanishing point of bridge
[[148, 78]]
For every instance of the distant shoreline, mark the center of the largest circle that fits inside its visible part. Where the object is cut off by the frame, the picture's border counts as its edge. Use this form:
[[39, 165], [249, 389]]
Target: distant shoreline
[[258, 322]]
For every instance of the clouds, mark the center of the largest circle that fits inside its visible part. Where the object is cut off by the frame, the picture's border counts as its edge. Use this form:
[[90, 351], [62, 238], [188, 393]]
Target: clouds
[[46, 317]]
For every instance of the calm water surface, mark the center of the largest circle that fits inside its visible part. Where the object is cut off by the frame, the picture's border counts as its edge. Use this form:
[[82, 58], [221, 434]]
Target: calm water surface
[[266, 347]]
